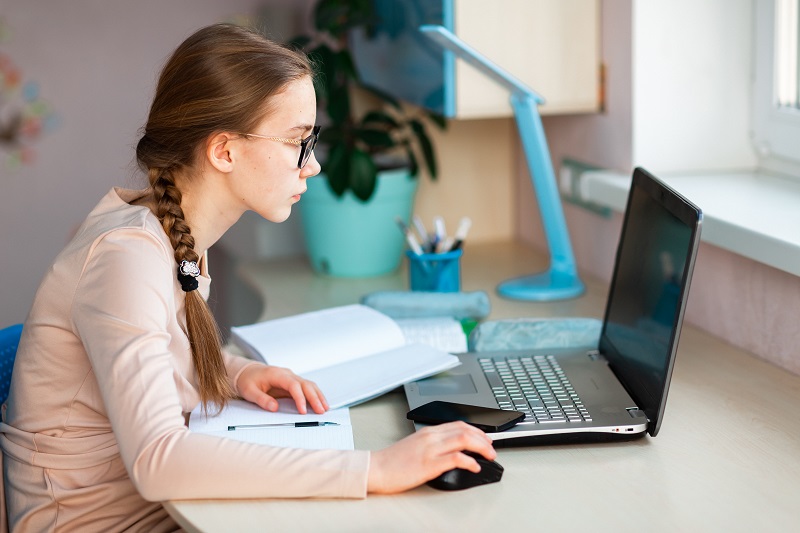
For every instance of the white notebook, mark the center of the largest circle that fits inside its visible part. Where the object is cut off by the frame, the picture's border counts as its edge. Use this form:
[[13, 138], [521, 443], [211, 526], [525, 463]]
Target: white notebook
[[240, 413]]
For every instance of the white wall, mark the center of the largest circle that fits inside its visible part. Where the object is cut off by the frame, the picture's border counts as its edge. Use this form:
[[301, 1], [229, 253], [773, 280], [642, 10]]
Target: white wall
[[96, 63], [692, 62]]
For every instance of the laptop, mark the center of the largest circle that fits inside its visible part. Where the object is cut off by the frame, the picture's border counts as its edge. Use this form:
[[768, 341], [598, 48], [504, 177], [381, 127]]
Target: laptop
[[619, 390]]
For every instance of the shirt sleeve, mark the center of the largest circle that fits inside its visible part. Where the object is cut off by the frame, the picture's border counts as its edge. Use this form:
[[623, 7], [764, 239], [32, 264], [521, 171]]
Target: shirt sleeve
[[121, 311], [235, 365]]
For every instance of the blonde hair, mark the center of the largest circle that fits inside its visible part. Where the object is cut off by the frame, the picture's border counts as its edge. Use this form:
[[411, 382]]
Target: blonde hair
[[219, 79]]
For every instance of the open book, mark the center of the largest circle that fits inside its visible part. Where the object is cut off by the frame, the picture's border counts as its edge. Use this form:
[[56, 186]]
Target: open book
[[353, 353]]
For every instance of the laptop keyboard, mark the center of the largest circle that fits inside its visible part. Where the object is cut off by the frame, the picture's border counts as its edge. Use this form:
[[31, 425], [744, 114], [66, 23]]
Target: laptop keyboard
[[535, 385]]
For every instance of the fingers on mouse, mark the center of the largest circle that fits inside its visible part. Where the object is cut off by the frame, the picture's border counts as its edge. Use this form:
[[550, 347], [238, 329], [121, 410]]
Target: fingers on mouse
[[460, 479]]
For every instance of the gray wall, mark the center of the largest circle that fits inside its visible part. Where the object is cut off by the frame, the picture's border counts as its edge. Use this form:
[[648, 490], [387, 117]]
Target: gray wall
[[95, 63]]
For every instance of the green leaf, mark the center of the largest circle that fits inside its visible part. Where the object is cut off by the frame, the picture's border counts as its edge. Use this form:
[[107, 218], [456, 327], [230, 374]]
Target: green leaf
[[339, 104], [437, 119], [426, 146], [337, 17], [375, 138], [363, 174], [331, 136], [330, 16], [379, 117], [346, 65], [413, 166], [337, 168]]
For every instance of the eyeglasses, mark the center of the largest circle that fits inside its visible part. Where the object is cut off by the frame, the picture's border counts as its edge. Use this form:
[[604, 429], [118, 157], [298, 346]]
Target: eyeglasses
[[306, 145]]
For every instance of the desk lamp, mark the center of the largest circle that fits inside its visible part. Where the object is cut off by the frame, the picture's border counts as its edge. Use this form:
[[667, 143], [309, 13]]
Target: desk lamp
[[560, 281]]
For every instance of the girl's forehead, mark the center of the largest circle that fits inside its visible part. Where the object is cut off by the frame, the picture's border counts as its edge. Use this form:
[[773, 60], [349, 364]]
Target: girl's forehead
[[295, 106]]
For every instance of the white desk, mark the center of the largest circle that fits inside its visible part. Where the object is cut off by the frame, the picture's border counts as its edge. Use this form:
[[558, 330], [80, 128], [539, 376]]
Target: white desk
[[727, 457]]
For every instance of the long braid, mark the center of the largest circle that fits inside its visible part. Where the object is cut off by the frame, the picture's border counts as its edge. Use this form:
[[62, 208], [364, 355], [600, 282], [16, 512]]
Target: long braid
[[204, 336], [222, 78]]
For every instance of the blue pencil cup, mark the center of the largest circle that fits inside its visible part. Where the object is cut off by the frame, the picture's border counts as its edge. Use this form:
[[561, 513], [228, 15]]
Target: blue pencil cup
[[435, 272]]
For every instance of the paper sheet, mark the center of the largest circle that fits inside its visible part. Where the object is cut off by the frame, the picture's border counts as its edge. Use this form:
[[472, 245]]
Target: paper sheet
[[240, 412], [443, 332]]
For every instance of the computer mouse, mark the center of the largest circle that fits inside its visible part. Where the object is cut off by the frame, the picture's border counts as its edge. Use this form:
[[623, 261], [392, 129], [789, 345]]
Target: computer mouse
[[459, 479]]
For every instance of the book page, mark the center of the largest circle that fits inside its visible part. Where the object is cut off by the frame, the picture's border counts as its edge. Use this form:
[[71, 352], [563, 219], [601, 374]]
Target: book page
[[442, 332], [241, 412], [310, 341], [353, 382]]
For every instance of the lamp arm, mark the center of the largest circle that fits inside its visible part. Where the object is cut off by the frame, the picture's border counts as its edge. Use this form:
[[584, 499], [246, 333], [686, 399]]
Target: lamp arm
[[450, 41], [561, 280]]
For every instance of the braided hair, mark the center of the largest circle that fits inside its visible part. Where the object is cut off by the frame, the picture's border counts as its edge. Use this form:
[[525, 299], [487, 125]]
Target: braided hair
[[219, 79]]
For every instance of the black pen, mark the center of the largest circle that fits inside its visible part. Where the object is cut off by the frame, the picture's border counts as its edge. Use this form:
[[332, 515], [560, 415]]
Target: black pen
[[286, 424]]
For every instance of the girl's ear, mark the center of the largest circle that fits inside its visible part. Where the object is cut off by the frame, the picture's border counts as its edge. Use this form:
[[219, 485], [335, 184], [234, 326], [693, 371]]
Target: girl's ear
[[219, 152]]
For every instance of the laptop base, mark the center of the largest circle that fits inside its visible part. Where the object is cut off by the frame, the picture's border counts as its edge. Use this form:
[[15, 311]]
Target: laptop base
[[567, 438]]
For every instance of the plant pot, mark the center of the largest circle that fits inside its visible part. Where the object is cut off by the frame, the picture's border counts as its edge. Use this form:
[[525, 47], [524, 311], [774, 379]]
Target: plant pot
[[352, 239]]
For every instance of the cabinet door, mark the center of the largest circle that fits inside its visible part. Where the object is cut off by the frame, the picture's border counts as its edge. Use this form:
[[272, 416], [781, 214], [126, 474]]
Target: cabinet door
[[551, 45]]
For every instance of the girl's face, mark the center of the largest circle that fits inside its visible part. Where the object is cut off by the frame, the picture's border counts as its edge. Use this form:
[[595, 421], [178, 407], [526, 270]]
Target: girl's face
[[267, 179]]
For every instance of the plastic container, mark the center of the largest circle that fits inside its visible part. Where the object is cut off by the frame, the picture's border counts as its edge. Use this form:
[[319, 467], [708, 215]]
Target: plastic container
[[435, 272]]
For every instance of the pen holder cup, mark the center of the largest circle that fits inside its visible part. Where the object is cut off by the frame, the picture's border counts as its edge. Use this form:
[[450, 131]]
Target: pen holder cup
[[435, 272]]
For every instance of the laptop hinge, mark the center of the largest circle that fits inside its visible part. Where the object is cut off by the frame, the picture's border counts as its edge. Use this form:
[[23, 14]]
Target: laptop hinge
[[594, 355]]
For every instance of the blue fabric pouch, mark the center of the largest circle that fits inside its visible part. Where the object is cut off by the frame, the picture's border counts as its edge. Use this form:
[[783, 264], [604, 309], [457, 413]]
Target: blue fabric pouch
[[419, 304], [536, 333]]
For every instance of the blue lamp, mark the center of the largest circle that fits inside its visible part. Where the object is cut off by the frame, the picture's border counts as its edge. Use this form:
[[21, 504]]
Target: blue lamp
[[560, 281]]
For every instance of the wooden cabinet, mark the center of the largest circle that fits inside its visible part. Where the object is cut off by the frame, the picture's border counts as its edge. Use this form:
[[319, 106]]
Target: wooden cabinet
[[553, 46]]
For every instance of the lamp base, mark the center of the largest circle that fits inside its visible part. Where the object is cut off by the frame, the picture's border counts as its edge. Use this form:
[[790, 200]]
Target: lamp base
[[542, 287]]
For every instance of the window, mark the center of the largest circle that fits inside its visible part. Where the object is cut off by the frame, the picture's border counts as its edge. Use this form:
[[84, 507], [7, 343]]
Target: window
[[786, 56], [776, 109]]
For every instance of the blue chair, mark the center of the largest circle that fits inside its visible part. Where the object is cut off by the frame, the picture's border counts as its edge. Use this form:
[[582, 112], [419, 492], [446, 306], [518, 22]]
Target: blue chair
[[9, 340]]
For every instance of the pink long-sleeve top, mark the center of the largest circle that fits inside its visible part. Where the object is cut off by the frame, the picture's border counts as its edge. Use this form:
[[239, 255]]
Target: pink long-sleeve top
[[94, 432]]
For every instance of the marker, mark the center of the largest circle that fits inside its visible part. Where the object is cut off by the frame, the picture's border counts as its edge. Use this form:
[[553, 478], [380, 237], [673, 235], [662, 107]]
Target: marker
[[410, 239], [286, 424], [445, 245], [423, 233], [438, 225], [461, 233]]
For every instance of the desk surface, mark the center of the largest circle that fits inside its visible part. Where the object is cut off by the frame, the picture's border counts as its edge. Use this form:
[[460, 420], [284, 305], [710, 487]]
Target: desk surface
[[727, 457]]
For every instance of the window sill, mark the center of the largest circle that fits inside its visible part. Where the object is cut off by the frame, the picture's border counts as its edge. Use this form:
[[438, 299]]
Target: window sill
[[753, 214]]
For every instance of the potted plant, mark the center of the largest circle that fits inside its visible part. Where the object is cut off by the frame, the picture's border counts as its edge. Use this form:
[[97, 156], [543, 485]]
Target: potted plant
[[372, 149]]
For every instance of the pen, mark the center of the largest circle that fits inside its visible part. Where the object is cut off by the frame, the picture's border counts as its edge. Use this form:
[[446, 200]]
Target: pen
[[441, 233], [420, 227], [446, 245], [285, 424], [410, 239], [461, 233]]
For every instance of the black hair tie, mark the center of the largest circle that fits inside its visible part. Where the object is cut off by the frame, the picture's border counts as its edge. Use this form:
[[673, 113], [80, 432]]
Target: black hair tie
[[187, 275]]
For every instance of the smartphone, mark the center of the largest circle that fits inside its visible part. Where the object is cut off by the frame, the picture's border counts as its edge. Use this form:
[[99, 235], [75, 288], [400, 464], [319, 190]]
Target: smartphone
[[488, 419]]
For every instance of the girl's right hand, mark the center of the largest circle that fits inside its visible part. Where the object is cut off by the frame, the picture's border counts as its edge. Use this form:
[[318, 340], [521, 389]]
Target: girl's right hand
[[425, 455]]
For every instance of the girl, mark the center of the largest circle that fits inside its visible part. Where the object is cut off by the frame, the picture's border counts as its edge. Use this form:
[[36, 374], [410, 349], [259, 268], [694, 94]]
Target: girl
[[119, 344]]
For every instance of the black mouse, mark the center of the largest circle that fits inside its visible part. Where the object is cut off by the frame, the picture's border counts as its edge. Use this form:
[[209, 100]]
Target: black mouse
[[459, 479]]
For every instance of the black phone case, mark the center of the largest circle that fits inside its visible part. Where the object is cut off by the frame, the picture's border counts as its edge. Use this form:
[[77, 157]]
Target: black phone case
[[484, 418]]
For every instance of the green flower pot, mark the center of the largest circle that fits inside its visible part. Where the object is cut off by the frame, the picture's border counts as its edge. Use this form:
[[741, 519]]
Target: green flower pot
[[352, 239]]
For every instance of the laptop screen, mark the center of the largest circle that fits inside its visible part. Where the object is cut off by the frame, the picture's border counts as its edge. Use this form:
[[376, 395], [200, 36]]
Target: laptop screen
[[648, 292]]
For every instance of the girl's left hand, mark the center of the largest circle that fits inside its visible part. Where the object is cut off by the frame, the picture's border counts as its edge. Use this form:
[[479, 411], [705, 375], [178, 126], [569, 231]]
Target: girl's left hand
[[263, 384]]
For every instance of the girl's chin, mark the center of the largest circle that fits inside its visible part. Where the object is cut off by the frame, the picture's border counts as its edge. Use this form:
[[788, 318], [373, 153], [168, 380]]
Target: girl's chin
[[277, 217]]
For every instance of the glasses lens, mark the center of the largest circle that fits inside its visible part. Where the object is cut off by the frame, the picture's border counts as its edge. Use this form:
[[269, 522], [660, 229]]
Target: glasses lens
[[308, 147]]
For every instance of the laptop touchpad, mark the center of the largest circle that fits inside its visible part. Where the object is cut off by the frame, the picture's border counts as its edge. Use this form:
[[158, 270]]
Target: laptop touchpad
[[445, 385]]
